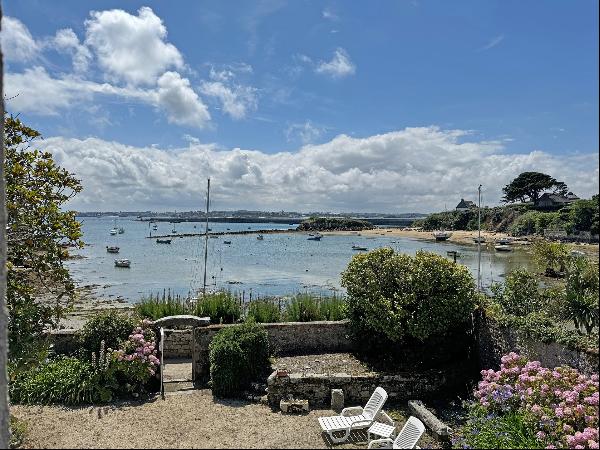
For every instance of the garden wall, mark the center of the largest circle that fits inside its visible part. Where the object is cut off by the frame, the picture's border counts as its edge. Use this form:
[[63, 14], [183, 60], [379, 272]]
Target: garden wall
[[178, 343], [290, 338], [495, 340], [316, 388]]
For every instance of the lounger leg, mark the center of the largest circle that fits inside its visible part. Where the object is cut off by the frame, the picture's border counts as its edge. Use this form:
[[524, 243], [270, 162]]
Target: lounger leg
[[339, 440]]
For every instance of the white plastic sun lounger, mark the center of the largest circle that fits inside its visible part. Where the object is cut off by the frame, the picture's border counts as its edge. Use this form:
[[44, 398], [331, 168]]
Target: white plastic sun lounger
[[407, 438], [354, 418]]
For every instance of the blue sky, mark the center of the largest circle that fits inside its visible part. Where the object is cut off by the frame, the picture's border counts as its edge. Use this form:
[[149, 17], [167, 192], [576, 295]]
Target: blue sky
[[231, 85]]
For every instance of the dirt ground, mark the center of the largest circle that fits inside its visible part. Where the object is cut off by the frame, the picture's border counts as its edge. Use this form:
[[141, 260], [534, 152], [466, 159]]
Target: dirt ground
[[183, 420], [323, 363]]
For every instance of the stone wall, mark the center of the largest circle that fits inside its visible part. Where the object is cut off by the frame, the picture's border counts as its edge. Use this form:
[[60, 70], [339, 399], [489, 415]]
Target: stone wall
[[316, 388], [291, 338], [495, 340], [178, 344]]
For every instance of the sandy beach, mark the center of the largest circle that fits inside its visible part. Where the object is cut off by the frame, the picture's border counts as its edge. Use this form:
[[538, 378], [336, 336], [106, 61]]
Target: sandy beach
[[459, 237]]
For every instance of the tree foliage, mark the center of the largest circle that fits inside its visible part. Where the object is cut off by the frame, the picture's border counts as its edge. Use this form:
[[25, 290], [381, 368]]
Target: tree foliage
[[394, 296], [581, 305], [529, 186], [38, 231]]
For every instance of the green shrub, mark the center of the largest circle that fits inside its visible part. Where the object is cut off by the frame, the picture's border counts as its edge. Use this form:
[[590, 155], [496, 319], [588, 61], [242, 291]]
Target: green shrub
[[483, 430], [392, 296], [112, 328], [552, 257], [18, 429], [155, 308], [332, 308], [581, 299], [221, 307], [65, 380], [520, 294], [303, 308], [263, 311], [238, 355]]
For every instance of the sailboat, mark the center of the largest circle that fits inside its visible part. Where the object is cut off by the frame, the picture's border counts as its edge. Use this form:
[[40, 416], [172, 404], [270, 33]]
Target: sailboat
[[114, 229]]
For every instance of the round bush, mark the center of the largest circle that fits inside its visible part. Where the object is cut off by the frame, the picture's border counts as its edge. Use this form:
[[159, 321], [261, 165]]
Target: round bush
[[112, 328], [238, 355], [394, 296]]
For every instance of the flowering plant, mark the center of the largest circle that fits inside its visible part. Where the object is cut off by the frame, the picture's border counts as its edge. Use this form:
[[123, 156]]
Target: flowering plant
[[137, 357], [560, 405]]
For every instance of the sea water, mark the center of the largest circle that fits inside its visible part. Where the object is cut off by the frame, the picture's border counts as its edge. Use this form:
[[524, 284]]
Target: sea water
[[280, 264]]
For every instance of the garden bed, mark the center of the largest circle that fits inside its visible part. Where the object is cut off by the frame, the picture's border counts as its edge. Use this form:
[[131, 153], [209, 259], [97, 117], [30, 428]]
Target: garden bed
[[323, 363]]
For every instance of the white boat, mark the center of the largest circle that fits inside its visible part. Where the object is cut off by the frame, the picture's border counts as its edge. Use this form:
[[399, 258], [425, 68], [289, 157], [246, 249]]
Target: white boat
[[504, 241], [112, 249], [260, 237], [122, 263], [114, 231], [154, 227], [442, 235], [314, 237], [358, 247], [503, 248]]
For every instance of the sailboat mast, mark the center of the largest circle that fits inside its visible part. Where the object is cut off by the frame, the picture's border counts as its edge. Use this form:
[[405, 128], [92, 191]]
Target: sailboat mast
[[206, 238], [479, 239]]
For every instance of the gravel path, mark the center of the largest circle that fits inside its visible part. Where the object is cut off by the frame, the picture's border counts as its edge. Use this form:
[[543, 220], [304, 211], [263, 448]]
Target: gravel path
[[191, 420]]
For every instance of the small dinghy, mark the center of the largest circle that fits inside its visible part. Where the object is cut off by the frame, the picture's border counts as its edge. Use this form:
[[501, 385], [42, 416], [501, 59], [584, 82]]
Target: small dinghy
[[503, 248], [227, 242], [358, 247], [441, 235], [163, 241], [112, 249], [122, 263], [260, 237]]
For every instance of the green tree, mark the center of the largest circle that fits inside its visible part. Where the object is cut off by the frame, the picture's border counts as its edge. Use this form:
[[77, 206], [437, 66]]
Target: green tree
[[529, 185], [583, 215], [38, 234], [394, 296], [553, 257]]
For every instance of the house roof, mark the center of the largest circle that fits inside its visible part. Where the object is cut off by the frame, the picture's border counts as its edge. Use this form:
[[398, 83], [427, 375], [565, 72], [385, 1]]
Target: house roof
[[465, 204], [558, 198]]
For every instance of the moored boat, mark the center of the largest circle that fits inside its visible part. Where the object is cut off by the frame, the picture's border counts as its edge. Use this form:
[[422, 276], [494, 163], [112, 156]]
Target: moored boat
[[314, 237], [358, 247], [227, 242], [112, 249], [121, 230], [122, 263], [503, 248], [163, 241], [504, 241], [441, 235], [478, 240], [260, 237], [113, 231]]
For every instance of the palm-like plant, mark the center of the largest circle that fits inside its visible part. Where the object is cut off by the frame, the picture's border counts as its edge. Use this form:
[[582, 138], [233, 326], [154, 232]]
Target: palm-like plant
[[581, 305]]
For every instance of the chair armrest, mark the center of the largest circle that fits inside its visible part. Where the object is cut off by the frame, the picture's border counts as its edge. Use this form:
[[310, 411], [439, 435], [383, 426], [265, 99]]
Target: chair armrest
[[381, 443], [384, 418], [352, 411]]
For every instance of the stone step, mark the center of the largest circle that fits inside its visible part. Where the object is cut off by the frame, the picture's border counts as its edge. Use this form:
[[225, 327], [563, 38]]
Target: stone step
[[179, 386]]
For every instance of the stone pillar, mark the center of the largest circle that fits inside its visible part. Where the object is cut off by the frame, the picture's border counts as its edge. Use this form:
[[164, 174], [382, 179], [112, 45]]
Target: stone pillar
[[337, 400]]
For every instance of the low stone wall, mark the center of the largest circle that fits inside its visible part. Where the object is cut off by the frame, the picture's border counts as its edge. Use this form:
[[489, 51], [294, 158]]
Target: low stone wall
[[291, 338], [316, 388], [495, 340], [64, 342], [178, 344]]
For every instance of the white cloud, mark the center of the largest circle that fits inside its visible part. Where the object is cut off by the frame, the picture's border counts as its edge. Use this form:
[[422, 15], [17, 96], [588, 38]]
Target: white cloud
[[329, 14], [67, 40], [415, 169], [182, 104], [17, 42], [236, 100], [131, 48], [306, 132], [339, 66], [495, 41], [36, 91]]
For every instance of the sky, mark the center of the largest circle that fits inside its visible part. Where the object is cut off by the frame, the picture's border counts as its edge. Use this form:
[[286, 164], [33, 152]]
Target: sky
[[394, 106]]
